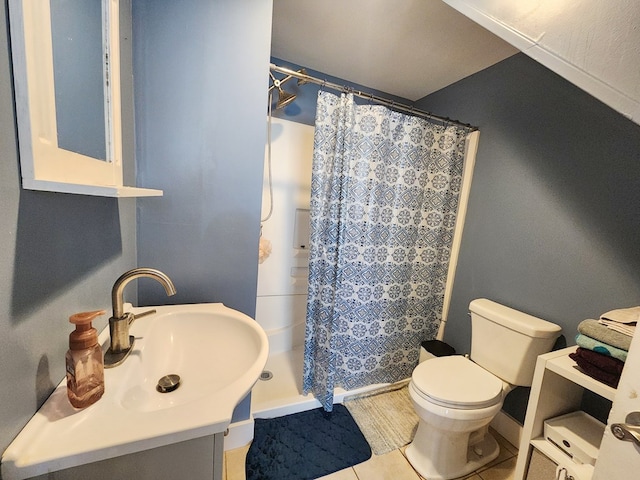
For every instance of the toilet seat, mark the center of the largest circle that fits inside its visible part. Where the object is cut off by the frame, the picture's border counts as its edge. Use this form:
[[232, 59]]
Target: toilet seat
[[456, 382]]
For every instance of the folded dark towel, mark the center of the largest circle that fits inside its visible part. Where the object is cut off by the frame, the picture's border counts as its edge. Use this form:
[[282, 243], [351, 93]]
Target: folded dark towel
[[601, 367], [603, 362]]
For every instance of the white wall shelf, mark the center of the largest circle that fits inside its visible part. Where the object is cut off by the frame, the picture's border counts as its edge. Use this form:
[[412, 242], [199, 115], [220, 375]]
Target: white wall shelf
[[557, 389], [94, 190]]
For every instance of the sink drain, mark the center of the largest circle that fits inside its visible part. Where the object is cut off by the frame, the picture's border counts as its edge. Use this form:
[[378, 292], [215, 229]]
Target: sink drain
[[168, 383], [266, 375]]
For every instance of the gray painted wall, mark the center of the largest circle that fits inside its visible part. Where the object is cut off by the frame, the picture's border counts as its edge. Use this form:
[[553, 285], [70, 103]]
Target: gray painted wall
[[553, 221], [201, 89], [59, 254]]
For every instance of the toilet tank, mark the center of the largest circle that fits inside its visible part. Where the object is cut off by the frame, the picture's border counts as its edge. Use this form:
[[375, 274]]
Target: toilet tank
[[507, 342]]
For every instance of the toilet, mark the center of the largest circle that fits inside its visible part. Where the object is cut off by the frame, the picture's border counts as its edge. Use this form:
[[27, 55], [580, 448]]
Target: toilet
[[456, 397]]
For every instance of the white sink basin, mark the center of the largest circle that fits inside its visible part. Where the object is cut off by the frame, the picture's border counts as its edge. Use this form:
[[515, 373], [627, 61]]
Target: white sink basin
[[210, 349], [218, 354]]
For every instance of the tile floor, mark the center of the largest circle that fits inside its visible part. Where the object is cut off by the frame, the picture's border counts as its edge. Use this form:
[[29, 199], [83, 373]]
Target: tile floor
[[390, 466]]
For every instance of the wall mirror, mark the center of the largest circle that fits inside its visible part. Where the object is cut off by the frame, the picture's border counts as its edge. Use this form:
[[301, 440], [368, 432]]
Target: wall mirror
[[66, 66]]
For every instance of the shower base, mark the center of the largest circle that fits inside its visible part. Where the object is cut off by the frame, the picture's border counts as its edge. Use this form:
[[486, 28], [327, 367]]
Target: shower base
[[282, 394]]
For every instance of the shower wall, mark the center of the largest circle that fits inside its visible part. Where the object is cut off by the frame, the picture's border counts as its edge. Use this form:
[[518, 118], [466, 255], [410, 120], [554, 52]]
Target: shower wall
[[282, 277]]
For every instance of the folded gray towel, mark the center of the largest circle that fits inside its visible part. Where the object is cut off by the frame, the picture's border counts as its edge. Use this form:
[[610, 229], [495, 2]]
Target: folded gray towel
[[594, 329]]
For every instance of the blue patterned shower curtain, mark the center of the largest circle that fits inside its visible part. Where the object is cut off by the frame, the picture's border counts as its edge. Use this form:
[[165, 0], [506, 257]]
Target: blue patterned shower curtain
[[384, 198]]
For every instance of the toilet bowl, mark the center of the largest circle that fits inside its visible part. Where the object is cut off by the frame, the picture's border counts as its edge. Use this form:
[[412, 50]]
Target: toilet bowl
[[456, 397], [455, 400]]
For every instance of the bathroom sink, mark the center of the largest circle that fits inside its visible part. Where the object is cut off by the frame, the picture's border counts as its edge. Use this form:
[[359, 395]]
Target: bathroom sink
[[210, 349], [218, 354]]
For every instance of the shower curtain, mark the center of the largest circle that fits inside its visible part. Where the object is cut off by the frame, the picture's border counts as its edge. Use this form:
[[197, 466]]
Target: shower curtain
[[384, 197]]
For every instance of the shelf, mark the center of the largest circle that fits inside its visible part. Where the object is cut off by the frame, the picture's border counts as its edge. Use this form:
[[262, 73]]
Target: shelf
[[118, 191], [557, 388], [567, 368], [560, 458]]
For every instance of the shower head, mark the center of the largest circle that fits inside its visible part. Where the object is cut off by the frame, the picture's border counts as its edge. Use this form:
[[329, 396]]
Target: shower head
[[284, 98]]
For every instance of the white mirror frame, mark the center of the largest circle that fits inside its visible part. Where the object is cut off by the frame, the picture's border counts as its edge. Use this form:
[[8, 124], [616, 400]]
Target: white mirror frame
[[43, 165]]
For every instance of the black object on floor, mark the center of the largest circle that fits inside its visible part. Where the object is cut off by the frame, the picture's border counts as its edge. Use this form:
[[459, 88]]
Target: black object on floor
[[305, 445]]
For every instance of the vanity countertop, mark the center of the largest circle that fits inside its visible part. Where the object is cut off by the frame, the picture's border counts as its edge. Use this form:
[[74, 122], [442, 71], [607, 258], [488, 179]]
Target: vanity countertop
[[129, 419]]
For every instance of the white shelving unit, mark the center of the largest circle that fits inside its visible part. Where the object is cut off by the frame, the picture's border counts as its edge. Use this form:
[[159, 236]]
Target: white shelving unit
[[557, 389]]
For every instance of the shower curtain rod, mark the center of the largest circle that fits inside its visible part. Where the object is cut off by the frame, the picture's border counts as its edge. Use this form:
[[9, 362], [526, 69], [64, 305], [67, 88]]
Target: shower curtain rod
[[382, 101]]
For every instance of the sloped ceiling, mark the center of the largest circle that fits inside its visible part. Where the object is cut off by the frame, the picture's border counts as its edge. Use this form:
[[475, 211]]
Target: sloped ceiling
[[408, 48], [591, 43]]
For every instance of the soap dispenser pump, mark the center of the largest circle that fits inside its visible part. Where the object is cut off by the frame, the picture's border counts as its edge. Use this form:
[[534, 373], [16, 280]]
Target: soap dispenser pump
[[85, 363]]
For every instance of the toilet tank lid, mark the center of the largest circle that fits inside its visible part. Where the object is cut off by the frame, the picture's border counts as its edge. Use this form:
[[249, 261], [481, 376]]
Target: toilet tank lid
[[513, 319]]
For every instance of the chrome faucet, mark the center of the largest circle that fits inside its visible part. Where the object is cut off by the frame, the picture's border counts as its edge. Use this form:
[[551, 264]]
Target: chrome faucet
[[119, 323]]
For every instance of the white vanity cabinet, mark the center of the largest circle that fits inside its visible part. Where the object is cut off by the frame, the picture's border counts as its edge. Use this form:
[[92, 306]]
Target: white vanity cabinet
[[191, 459], [557, 389]]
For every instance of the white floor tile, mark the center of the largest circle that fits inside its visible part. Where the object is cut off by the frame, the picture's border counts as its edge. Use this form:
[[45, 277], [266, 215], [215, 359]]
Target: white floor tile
[[390, 466]]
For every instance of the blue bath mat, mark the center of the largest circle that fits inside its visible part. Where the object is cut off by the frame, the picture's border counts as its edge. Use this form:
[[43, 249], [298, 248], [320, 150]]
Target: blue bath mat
[[305, 445]]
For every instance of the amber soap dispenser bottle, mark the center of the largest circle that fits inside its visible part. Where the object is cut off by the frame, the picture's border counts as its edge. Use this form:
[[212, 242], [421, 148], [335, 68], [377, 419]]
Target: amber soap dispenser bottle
[[85, 363]]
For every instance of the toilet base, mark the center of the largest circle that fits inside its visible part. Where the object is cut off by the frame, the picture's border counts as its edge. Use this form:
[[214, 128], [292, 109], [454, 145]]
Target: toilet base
[[444, 466]]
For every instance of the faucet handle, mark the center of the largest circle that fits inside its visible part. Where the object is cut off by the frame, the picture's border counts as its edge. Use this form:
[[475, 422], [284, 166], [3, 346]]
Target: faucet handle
[[136, 316]]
